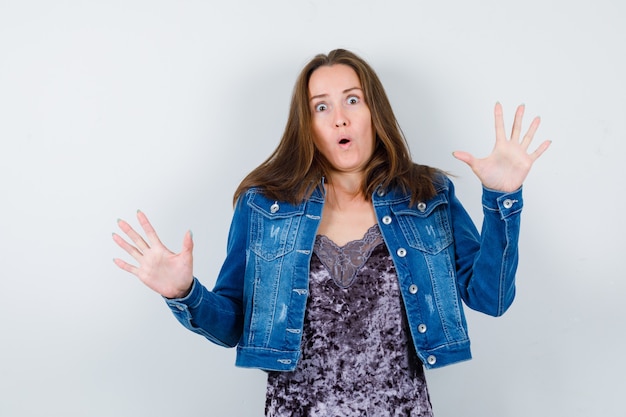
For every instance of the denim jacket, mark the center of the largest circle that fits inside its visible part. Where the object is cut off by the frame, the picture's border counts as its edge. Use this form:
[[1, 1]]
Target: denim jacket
[[259, 300]]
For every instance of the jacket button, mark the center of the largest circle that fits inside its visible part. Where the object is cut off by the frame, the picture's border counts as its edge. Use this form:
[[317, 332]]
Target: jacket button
[[421, 206], [381, 192], [387, 220], [508, 203], [401, 252], [431, 360], [413, 289], [421, 328], [275, 207]]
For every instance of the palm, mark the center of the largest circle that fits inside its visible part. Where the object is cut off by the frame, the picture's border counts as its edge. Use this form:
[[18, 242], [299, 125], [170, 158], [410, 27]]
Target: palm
[[506, 168], [168, 273]]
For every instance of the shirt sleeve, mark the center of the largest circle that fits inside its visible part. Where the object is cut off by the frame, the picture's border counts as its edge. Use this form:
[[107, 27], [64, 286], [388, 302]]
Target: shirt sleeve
[[486, 263], [218, 314]]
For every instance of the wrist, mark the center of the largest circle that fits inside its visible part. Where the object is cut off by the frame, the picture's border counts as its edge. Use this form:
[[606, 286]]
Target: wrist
[[180, 293]]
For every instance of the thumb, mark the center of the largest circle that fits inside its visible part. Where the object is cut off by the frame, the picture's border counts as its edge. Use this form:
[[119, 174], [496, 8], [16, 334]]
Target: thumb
[[188, 242], [464, 156]]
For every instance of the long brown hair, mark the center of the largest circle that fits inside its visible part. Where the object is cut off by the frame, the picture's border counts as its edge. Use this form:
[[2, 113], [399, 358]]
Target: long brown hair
[[296, 167]]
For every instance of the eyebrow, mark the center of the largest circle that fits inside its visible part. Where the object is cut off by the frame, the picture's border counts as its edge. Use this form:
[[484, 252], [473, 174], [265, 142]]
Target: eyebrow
[[343, 92]]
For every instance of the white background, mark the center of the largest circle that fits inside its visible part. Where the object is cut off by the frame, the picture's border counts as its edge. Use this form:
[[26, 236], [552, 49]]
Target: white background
[[112, 106]]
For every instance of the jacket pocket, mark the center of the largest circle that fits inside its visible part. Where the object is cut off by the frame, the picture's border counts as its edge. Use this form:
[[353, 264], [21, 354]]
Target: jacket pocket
[[427, 226], [273, 227]]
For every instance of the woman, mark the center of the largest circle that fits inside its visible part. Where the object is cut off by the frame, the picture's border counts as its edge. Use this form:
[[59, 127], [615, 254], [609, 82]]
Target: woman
[[347, 262]]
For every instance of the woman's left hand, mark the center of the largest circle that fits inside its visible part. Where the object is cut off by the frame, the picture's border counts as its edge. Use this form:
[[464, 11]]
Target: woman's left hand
[[509, 163]]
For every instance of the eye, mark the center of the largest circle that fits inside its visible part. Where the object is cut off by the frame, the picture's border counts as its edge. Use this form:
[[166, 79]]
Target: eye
[[321, 107], [353, 100]]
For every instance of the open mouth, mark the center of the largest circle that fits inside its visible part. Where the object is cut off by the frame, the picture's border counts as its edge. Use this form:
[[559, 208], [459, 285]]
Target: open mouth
[[344, 141]]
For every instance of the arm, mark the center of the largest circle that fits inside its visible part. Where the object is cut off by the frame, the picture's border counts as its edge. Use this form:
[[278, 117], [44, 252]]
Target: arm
[[217, 315], [486, 264]]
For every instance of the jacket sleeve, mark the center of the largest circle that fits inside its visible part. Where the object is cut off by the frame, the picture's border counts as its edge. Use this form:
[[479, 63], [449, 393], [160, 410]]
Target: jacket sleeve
[[486, 263], [218, 314]]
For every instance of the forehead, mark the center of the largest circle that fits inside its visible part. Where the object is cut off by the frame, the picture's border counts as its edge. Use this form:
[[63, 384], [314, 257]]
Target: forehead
[[331, 79]]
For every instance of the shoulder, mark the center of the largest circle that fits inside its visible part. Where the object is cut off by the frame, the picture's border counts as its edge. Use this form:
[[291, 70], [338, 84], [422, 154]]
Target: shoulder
[[442, 182], [441, 191]]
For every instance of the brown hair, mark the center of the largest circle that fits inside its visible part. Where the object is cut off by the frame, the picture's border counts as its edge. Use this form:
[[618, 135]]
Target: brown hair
[[296, 167]]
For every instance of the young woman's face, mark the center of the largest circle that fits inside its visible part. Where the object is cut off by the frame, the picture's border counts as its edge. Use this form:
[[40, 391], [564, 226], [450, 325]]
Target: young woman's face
[[342, 122]]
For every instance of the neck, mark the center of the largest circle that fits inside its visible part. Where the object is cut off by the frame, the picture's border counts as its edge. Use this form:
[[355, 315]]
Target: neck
[[345, 190]]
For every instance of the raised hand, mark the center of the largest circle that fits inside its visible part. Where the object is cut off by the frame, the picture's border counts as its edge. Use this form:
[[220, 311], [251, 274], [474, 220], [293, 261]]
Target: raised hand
[[168, 273], [506, 168]]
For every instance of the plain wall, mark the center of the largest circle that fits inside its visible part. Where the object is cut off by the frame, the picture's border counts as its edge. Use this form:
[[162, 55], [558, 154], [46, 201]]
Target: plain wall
[[107, 107]]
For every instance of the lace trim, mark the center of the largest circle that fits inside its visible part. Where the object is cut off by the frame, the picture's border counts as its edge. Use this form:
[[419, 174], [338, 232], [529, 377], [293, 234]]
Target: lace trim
[[344, 262]]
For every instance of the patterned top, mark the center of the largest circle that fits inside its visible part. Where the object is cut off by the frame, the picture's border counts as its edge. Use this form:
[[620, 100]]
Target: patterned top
[[357, 355]]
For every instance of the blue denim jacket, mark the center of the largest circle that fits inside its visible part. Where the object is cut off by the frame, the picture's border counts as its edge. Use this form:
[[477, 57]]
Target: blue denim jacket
[[260, 296]]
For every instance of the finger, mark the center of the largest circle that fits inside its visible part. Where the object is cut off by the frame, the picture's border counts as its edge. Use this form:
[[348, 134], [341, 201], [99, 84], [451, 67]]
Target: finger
[[517, 123], [133, 235], [153, 238], [528, 137], [500, 132], [541, 149], [465, 157], [131, 250], [125, 266]]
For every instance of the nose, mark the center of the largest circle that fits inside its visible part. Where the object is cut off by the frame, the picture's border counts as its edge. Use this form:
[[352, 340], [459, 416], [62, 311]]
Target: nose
[[340, 118]]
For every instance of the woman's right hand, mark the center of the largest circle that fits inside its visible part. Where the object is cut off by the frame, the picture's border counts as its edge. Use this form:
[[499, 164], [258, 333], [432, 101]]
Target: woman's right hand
[[168, 273]]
